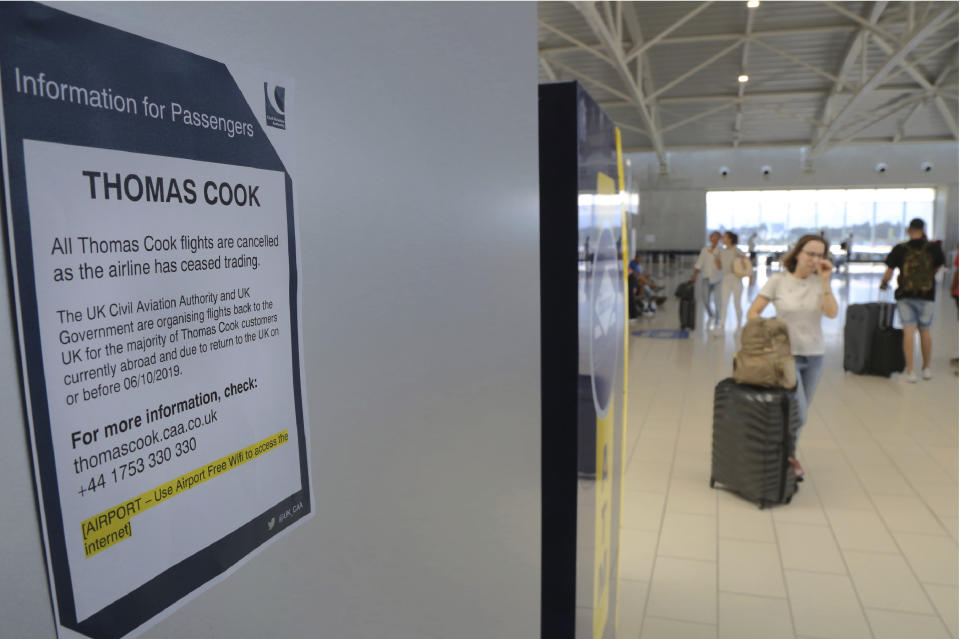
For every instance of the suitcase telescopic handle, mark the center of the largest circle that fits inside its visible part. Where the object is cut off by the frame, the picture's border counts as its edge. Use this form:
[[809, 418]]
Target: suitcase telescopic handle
[[887, 293], [888, 306]]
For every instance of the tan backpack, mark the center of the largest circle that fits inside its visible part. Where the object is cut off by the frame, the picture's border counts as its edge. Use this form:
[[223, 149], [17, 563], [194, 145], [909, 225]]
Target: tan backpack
[[764, 358]]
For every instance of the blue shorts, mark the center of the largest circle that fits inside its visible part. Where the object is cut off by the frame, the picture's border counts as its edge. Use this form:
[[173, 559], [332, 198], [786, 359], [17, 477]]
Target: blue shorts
[[915, 312]]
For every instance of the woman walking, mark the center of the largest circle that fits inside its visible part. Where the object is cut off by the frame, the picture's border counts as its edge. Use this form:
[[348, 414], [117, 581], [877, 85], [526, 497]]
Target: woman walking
[[802, 296], [731, 285]]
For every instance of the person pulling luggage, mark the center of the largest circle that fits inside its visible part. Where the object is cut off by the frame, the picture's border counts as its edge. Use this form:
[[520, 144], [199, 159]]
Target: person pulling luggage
[[918, 260], [712, 277], [801, 295]]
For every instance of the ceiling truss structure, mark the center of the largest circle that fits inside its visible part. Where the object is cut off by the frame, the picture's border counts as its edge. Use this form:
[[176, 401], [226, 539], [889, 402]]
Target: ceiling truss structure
[[897, 57], [611, 37], [873, 83], [741, 89]]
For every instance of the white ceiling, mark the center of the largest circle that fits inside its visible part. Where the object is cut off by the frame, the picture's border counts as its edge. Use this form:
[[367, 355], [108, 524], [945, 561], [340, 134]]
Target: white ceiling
[[821, 74]]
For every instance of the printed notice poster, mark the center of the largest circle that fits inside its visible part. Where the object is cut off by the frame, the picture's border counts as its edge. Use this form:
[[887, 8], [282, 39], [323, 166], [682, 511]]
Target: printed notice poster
[[150, 213]]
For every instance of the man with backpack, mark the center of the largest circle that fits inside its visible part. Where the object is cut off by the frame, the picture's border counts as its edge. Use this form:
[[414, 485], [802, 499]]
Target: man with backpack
[[918, 260]]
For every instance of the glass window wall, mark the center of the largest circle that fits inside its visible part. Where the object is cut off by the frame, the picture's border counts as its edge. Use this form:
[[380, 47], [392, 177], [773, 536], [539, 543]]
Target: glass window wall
[[876, 218]]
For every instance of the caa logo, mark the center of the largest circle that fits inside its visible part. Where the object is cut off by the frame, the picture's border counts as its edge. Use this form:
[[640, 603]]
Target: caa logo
[[275, 109]]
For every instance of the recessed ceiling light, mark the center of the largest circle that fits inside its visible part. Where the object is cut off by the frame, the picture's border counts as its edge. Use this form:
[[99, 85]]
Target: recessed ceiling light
[[753, 4], [743, 77]]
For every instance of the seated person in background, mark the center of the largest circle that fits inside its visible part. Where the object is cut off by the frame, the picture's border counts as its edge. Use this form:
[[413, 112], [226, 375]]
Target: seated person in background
[[640, 284]]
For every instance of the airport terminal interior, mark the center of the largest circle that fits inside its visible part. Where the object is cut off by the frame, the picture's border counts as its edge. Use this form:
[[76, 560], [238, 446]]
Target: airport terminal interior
[[868, 545], [421, 281]]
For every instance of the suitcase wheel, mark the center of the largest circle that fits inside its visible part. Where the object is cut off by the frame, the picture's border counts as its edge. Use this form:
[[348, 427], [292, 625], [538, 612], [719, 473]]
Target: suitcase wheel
[[712, 482]]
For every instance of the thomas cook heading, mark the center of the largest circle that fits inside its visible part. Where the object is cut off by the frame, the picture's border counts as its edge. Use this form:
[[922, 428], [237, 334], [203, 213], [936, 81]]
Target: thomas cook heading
[[151, 188]]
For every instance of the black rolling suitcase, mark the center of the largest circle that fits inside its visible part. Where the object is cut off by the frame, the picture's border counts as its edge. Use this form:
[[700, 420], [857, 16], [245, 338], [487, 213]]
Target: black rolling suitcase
[[688, 314], [754, 432], [869, 340], [886, 347], [861, 322], [688, 306]]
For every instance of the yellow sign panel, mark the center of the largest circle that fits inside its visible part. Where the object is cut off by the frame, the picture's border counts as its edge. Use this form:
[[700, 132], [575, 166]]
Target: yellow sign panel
[[624, 250], [604, 493], [605, 516], [602, 525]]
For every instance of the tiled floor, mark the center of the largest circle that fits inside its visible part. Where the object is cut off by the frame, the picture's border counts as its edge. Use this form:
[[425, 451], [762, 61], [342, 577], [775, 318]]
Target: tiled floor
[[868, 546]]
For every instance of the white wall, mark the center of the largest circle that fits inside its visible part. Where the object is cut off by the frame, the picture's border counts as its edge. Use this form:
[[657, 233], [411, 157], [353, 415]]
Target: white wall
[[418, 202], [854, 166], [661, 209]]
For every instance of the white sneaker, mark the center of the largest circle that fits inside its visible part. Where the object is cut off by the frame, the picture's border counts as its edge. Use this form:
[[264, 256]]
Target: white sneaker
[[911, 377], [927, 373]]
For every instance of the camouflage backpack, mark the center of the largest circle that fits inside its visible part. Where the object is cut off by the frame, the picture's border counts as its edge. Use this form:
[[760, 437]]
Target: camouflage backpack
[[764, 358], [916, 274]]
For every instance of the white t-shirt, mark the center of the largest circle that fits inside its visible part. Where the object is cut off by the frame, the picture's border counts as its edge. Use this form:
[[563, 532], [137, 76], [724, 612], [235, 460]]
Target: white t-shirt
[[727, 256], [707, 266], [799, 306]]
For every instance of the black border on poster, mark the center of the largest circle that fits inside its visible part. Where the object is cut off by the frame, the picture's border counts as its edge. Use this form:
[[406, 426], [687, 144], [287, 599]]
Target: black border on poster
[[52, 39], [559, 357]]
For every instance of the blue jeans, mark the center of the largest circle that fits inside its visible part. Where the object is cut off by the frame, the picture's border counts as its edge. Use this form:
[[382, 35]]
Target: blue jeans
[[809, 369], [710, 292]]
